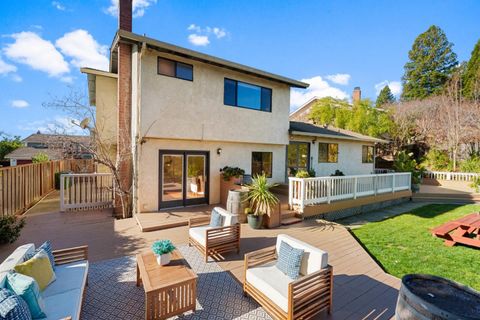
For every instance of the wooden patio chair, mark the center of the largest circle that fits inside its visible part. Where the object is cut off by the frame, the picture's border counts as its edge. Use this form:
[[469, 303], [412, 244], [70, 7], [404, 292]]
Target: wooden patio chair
[[281, 296], [212, 241]]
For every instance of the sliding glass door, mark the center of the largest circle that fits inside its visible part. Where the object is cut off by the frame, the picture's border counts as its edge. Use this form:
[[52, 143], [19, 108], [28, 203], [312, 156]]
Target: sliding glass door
[[298, 157], [183, 178]]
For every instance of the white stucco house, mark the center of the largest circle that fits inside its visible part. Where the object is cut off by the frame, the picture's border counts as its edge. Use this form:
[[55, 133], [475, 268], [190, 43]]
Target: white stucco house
[[174, 117]]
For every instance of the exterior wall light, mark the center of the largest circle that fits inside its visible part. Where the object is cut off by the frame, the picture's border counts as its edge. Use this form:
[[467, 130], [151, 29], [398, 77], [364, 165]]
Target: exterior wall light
[[219, 151]]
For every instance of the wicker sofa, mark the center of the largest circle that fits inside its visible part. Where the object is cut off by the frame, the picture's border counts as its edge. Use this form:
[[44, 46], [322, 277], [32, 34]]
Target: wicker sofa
[[63, 297], [283, 297], [212, 241]]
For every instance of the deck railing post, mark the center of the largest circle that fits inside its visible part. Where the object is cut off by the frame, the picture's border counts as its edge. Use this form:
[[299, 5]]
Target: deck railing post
[[62, 193], [290, 193], [302, 194], [393, 183], [374, 185], [329, 190], [355, 188]]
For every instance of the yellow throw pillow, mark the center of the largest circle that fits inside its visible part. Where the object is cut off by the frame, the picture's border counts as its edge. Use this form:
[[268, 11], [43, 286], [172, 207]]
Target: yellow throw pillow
[[39, 268]]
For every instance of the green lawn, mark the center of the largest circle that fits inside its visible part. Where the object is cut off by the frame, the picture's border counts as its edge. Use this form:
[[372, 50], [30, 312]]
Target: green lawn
[[404, 244]]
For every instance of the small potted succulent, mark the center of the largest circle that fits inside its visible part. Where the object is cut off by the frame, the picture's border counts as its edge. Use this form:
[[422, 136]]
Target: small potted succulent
[[163, 251]]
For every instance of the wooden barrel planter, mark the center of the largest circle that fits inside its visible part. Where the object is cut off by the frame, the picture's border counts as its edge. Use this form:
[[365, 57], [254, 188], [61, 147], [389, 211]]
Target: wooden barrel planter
[[237, 203], [425, 297]]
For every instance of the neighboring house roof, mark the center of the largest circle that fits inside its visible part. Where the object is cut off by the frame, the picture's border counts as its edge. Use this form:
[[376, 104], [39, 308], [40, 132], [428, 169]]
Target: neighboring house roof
[[308, 129], [126, 36], [303, 108], [26, 153], [55, 138]]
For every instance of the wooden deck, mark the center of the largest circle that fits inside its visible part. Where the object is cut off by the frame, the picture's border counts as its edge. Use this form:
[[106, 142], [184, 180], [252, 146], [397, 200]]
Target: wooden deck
[[362, 290]]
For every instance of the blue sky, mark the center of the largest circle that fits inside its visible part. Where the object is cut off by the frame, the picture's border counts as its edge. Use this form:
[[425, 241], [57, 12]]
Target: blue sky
[[334, 45]]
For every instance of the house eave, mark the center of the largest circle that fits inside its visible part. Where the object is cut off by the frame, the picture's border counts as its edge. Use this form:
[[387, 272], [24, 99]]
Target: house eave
[[160, 46], [320, 135]]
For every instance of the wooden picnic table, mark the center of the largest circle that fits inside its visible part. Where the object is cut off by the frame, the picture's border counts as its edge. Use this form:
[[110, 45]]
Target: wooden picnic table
[[465, 230]]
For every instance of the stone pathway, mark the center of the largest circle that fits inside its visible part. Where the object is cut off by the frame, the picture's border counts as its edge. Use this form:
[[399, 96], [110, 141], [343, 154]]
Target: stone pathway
[[359, 220]]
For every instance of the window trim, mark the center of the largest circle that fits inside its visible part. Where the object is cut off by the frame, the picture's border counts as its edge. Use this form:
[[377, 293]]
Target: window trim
[[373, 153], [271, 163], [328, 152], [236, 95], [175, 68]]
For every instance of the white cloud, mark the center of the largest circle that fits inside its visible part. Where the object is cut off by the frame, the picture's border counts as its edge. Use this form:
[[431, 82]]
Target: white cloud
[[67, 79], [84, 50], [16, 78], [6, 68], [57, 5], [138, 7], [339, 78], [201, 36], [58, 124], [198, 40], [40, 54], [395, 87], [318, 88], [19, 103]]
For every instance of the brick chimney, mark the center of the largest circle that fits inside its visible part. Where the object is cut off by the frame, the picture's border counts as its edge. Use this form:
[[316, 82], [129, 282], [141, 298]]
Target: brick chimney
[[356, 95], [124, 96]]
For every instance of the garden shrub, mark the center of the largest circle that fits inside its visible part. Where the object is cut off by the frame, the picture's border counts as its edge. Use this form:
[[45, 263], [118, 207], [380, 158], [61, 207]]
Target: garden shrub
[[10, 227], [302, 174], [472, 164], [438, 160]]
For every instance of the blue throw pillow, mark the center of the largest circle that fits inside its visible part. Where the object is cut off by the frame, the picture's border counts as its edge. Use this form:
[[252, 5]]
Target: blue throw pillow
[[216, 219], [289, 260], [27, 288], [13, 307], [47, 246]]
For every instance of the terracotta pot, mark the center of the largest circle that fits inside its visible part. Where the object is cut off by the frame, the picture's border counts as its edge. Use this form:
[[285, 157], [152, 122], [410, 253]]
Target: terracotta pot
[[225, 186]]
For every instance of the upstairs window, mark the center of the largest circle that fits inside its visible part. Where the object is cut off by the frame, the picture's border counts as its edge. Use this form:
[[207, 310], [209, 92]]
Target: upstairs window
[[175, 69], [327, 152], [367, 154], [245, 95]]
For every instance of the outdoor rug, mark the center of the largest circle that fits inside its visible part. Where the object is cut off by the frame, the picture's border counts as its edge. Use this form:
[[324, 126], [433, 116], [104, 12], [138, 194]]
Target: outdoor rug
[[112, 294]]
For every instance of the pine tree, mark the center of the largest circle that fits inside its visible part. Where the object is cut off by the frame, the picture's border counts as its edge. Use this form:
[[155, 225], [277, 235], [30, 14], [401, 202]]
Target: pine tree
[[471, 76], [385, 97], [431, 62]]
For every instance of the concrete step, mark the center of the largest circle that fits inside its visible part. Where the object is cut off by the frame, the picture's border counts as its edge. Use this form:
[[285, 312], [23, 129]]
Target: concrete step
[[290, 221], [288, 214]]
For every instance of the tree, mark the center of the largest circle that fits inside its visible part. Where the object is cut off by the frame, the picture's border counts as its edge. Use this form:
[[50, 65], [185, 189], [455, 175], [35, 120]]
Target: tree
[[471, 76], [8, 144], [40, 157], [385, 97], [325, 112], [432, 61]]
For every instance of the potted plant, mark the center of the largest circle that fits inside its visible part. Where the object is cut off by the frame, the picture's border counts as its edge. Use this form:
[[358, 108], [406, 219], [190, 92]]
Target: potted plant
[[231, 179], [262, 200], [163, 251]]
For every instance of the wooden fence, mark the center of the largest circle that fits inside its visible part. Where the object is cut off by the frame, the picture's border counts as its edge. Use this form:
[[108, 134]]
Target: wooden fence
[[21, 186], [83, 191]]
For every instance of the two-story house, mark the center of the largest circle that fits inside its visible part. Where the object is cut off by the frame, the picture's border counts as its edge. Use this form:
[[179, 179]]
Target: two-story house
[[176, 116]]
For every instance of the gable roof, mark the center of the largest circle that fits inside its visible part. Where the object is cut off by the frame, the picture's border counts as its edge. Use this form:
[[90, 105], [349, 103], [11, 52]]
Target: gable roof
[[308, 129], [54, 138], [130, 37], [26, 153]]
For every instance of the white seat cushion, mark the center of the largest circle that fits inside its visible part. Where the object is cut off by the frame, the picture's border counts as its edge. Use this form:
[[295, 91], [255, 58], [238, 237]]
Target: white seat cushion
[[17, 257], [63, 304], [313, 259], [69, 277], [272, 282], [199, 234]]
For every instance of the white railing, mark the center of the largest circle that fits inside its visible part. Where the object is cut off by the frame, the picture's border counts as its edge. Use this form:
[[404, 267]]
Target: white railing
[[451, 176], [380, 171], [80, 191], [310, 191]]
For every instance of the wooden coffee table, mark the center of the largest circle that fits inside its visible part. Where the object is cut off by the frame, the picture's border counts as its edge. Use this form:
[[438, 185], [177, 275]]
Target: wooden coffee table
[[169, 290]]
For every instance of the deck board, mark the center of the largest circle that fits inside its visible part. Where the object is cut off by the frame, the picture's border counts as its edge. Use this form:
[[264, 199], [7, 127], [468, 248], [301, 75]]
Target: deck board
[[362, 290]]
